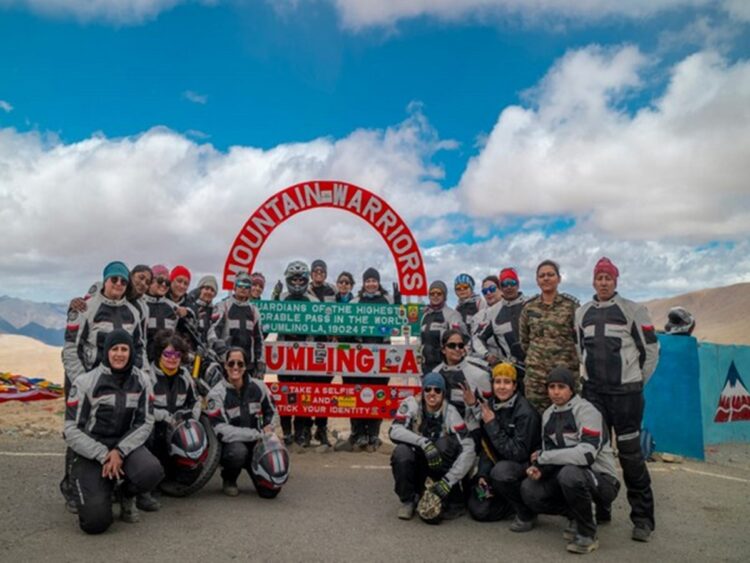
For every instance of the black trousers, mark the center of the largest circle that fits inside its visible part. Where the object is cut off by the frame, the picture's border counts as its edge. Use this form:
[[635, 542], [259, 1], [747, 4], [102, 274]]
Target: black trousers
[[505, 485], [93, 493], [624, 414], [299, 423], [570, 491], [410, 469], [367, 427], [320, 422]]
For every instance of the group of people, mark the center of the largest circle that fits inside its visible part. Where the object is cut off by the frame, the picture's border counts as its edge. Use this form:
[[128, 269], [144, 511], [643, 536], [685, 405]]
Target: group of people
[[519, 395], [519, 400]]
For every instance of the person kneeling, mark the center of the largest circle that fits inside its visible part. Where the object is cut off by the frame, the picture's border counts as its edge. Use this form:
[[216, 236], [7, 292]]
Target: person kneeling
[[241, 411], [575, 466], [431, 441], [510, 431], [108, 418], [178, 440]]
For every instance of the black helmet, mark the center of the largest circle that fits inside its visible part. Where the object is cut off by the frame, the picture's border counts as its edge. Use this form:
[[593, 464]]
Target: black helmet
[[270, 463], [680, 321], [297, 277], [188, 444]]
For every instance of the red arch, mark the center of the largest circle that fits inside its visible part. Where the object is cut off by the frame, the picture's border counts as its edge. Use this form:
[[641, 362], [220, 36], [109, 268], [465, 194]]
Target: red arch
[[318, 194]]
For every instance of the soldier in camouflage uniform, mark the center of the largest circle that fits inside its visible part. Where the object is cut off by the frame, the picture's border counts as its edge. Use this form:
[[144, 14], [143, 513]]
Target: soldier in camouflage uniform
[[547, 333]]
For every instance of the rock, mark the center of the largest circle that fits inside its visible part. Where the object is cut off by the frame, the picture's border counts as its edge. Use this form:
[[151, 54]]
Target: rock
[[671, 458], [27, 433]]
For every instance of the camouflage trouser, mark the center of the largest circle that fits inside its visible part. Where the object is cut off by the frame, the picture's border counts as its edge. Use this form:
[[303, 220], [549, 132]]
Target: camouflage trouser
[[535, 384]]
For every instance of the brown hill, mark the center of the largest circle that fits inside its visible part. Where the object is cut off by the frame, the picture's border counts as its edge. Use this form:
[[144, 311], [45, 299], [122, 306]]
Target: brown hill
[[25, 356], [722, 314]]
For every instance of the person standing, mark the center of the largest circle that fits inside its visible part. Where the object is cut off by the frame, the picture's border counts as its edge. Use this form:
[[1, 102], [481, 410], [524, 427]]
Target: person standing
[[436, 319], [469, 303], [497, 337], [238, 324], [547, 333], [162, 311], [619, 352]]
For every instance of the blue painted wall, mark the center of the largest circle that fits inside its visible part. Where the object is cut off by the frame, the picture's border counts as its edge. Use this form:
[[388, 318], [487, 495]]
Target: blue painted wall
[[673, 398]]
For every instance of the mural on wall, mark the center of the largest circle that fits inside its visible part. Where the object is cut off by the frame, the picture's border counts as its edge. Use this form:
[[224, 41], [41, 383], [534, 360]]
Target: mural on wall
[[734, 402]]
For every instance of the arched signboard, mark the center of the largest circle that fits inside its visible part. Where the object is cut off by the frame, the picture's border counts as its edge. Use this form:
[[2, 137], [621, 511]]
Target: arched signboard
[[319, 194]]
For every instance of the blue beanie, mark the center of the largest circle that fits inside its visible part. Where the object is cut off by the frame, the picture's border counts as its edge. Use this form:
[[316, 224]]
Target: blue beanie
[[115, 269], [433, 379]]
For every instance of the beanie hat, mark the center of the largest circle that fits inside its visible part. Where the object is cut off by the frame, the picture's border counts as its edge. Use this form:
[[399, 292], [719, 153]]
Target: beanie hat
[[369, 274], [319, 264], [179, 271], [464, 279], [605, 265], [433, 379], [160, 271], [508, 274], [209, 281], [258, 279], [242, 277], [562, 375], [439, 285], [118, 336], [115, 269], [505, 369]]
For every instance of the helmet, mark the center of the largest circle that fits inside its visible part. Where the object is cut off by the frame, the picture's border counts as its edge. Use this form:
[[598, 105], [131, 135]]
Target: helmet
[[680, 321], [270, 463], [188, 444], [297, 269], [430, 507]]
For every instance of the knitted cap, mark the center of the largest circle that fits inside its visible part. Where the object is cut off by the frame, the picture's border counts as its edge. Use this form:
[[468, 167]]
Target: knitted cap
[[562, 375], [433, 379], [605, 265], [258, 279], [209, 281], [179, 271], [115, 269], [508, 274], [319, 264], [439, 285], [371, 273], [160, 271]]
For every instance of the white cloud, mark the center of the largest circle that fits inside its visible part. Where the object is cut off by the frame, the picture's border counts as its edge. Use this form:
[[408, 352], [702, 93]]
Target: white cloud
[[112, 11], [5, 106], [194, 97], [675, 168], [357, 14], [67, 209]]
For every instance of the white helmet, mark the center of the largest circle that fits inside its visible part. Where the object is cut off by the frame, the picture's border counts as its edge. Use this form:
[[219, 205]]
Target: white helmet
[[680, 321], [297, 277]]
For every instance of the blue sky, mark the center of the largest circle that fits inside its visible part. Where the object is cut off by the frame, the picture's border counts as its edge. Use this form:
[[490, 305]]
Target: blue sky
[[428, 96]]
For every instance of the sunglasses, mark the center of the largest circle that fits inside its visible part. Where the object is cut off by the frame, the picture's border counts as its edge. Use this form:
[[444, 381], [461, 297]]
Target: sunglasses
[[489, 289], [161, 281], [509, 283], [235, 364], [455, 345], [171, 354], [118, 280], [436, 293], [436, 390], [344, 282], [244, 285], [462, 287]]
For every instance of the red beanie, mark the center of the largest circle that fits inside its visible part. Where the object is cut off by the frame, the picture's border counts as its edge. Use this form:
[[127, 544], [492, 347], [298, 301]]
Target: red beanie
[[179, 271], [509, 274], [605, 265]]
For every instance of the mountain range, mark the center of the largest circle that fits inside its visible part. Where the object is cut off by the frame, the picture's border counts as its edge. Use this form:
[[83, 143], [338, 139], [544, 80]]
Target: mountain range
[[42, 321]]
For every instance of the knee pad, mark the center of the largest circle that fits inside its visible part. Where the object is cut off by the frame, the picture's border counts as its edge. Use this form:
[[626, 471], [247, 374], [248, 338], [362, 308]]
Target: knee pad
[[96, 517], [629, 445]]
